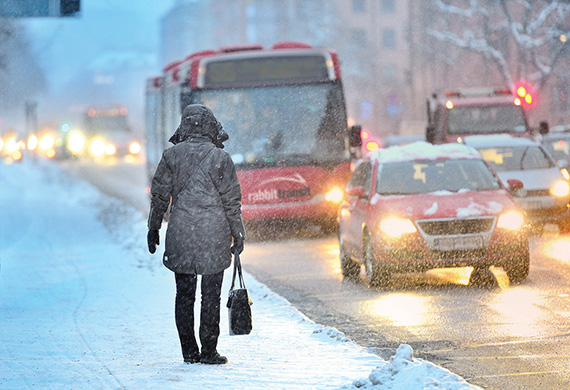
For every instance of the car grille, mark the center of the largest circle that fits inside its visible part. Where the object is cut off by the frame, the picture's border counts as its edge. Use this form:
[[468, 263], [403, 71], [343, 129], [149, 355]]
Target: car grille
[[549, 212], [531, 193], [456, 226], [461, 254]]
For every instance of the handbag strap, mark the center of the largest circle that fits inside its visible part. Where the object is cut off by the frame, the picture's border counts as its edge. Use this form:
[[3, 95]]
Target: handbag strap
[[195, 170], [237, 270]]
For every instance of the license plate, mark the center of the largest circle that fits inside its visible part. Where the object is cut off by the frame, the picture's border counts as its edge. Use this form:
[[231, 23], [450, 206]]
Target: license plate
[[458, 243]]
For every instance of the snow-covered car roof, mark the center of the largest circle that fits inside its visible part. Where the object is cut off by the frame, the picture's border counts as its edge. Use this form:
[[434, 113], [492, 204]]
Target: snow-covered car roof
[[424, 151], [497, 140]]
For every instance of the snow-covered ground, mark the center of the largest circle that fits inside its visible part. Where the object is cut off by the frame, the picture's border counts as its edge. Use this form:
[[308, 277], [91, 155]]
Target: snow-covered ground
[[83, 305]]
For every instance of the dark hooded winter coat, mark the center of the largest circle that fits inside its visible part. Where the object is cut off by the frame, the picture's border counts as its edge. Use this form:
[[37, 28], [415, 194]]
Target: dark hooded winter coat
[[206, 214]]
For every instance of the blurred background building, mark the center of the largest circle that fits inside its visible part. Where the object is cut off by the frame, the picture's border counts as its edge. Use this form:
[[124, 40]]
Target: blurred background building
[[394, 54]]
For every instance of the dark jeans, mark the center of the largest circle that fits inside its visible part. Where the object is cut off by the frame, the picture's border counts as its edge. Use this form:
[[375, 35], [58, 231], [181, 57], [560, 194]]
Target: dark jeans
[[211, 287]]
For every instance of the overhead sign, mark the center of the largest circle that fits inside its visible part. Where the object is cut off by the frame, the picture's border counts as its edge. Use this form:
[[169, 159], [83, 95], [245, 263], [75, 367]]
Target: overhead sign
[[39, 8]]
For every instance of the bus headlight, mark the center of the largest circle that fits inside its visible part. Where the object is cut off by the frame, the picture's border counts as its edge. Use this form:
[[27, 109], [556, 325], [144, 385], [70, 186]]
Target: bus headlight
[[560, 189], [334, 195], [97, 147], [395, 227], [134, 148], [511, 220]]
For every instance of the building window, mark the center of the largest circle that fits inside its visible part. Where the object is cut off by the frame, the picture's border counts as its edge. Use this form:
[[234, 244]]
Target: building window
[[388, 6], [359, 6], [358, 37], [388, 38], [389, 74]]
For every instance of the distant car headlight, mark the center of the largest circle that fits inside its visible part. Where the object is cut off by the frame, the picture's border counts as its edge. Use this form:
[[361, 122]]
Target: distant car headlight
[[135, 148], [47, 142], [110, 149], [97, 147], [560, 189], [76, 143], [511, 220], [334, 195], [395, 227]]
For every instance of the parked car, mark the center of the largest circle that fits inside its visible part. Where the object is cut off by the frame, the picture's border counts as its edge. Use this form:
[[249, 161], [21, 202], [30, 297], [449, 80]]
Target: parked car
[[546, 191], [557, 142], [422, 206]]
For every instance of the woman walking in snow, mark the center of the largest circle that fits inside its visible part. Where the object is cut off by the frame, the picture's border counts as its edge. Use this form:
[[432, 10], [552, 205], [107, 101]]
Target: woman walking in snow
[[198, 179]]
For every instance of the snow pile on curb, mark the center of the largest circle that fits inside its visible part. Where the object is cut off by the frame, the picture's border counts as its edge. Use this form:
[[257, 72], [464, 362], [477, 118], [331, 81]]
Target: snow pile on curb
[[405, 372]]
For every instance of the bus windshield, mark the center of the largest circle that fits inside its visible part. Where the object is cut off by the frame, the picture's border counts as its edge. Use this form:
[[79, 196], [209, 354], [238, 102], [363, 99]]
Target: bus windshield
[[276, 125], [486, 119]]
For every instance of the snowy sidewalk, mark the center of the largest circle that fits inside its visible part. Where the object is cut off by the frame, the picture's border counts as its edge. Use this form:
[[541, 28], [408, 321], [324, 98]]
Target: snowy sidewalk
[[84, 306]]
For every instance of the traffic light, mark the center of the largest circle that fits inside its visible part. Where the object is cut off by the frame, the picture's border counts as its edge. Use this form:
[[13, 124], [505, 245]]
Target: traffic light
[[524, 95]]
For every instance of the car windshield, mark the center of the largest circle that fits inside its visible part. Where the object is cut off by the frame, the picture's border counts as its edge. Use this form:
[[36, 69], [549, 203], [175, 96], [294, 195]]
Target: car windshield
[[516, 158], [559, 149], [486, 119], [283, 123], [421, 177]]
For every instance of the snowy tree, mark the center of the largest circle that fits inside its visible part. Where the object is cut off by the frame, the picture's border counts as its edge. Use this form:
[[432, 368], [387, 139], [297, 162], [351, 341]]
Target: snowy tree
[[524, 39]]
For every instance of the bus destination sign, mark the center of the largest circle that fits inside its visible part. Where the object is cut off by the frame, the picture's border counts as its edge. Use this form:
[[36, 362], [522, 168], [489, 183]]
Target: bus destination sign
[[266, 70]]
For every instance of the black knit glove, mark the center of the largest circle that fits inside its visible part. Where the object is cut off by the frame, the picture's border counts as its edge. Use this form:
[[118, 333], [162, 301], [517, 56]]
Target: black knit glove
[[237, 247], [153, 239]]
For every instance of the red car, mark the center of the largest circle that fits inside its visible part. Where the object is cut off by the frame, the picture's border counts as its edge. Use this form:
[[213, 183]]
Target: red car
[[421, 206]]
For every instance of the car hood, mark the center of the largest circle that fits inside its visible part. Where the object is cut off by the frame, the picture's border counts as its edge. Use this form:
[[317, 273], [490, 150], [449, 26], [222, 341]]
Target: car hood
[[533, 179], [445, 204]]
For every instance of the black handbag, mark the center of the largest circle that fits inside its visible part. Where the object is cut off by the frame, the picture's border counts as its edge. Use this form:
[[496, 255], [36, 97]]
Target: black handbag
[[239, 304]]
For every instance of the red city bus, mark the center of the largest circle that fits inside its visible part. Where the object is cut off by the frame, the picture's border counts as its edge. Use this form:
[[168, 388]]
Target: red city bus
[[284, 110]]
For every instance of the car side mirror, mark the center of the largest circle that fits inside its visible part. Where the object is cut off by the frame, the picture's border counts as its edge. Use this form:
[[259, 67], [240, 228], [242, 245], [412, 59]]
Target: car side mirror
[[354, 138], [358, 192], [515, 184], [543, 127], [430, 134]]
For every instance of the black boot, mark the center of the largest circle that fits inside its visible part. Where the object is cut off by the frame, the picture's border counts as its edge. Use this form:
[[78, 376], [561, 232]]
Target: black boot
[[192, 359], [213, 359]]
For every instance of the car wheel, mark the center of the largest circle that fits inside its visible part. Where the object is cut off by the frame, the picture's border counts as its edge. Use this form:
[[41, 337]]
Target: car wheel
[[350, 268], [378, 276], [517, 269]]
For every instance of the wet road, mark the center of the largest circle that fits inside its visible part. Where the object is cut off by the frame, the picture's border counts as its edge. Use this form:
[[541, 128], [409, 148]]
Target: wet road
[[502, 337]]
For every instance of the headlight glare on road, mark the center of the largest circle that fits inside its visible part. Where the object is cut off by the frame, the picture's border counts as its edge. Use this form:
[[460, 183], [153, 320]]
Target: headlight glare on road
[[511, 220], [395, 227], [560, 189], [334, 195]]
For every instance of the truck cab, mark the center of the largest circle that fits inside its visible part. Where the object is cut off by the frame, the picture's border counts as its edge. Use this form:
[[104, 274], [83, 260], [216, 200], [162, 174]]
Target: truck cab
[[476, 111]]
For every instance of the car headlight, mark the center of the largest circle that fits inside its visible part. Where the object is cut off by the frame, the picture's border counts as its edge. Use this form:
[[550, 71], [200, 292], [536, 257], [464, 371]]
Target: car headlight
[[395, 227], [110, 149], [97, 147], [560, 189], [76, 143], [511, 220], [334, 195], [134, 148]]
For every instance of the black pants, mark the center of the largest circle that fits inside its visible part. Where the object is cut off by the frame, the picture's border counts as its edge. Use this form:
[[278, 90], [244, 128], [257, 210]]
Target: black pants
[[209, 314]]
